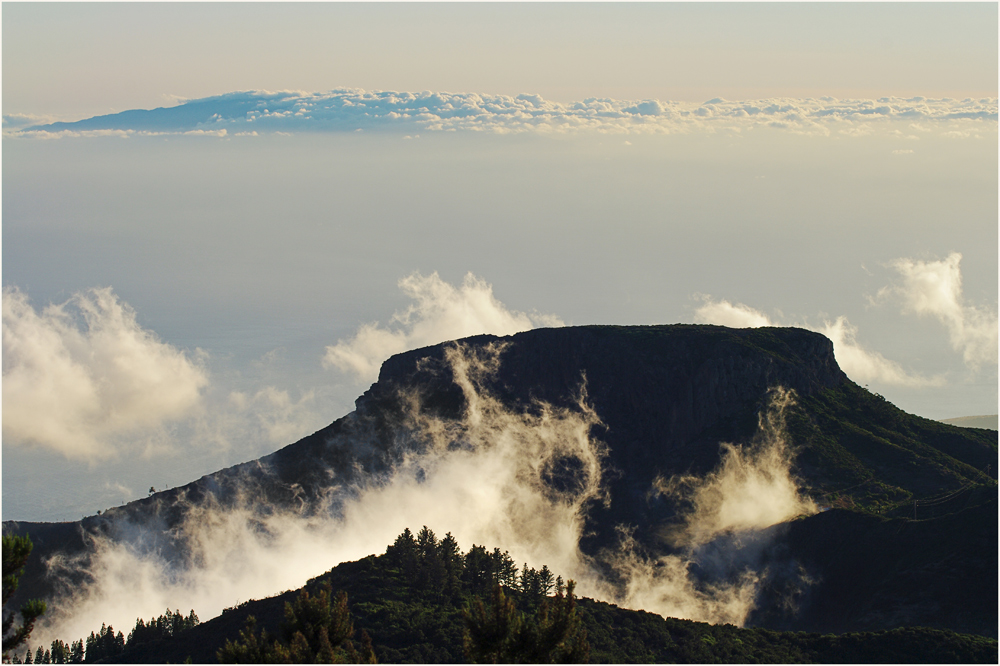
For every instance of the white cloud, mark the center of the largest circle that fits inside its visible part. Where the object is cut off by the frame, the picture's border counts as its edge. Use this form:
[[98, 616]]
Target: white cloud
[[440, 312], [21, 120], [865, 365], [491, 490], [351, 109], [934, 288], [724, 313], [272, 416], [861, 364], [80, 376]]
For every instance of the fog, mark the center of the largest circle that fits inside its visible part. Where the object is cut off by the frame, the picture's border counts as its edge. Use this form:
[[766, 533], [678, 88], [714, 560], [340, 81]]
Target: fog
[[481, 477]]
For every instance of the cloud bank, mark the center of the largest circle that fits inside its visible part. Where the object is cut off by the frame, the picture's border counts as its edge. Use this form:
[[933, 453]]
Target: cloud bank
[[84, 378], [352, 109], [440, 312]]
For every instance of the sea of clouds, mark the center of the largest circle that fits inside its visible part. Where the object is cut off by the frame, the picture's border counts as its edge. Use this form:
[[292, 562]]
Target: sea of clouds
[[351, 109]]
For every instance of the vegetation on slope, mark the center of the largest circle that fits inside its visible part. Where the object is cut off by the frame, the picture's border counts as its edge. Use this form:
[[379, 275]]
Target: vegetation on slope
[[862, 452], [415, 601]]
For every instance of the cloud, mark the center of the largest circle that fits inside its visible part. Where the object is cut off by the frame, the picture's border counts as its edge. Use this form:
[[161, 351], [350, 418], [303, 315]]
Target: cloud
[[22, 120], [752, 488], [484, 477], [271, 415], [724, 529], [85, 379], [934, 288], [481, 477], [724, 313], [864, 365], [440, 312], [859, 363], [352, 109]]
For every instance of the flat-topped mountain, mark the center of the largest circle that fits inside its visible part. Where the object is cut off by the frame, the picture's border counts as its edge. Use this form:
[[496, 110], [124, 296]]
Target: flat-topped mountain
[[898, 522]]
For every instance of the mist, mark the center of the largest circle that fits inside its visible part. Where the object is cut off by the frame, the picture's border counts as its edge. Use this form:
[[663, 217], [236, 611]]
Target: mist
[[717, 568], [485, 478]]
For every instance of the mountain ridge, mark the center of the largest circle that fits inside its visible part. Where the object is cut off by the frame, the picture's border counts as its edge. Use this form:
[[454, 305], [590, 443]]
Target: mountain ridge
[[665, 397]]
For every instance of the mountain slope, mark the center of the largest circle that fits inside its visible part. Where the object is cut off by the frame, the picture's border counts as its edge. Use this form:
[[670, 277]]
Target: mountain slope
[[666, 397], [411, 623]]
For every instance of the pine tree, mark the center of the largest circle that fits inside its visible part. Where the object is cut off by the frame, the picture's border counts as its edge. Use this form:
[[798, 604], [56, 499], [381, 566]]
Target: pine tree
[[317, 629], [560, 636], [77, 652], [249, 649], [452, 562], [431, 572], [403, 553], [490, 632], [60, 652], [545, 581], [16, 550], [478, 570], [500, 634]]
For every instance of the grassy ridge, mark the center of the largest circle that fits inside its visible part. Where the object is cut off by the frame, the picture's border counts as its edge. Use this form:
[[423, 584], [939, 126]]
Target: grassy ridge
[[861, 451]]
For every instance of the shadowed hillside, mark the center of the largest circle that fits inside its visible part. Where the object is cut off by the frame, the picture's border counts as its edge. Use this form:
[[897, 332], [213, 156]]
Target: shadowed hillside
[[414, 617], [656, 403]]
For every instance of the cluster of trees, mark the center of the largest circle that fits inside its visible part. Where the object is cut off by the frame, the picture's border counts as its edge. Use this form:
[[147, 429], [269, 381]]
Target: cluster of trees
[[317, 629], [496, 631], [99, 646], [106, 644], [517, 623], [500, 634], [440, 565]]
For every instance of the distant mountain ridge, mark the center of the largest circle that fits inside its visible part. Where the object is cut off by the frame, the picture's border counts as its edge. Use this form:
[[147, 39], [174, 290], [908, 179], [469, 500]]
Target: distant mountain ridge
[[666, 397], [988, 422], [352, 109]]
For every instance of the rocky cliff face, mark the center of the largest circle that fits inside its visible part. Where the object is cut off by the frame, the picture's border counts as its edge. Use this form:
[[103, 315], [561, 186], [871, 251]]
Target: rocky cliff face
[[668, 395], [666, 398]]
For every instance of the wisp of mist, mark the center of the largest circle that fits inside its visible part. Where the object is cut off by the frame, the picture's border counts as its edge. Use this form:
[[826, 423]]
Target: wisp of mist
[[481, 477]]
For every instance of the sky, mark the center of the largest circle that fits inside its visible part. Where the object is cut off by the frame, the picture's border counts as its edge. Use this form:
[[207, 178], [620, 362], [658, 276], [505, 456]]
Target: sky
[[195, 292]]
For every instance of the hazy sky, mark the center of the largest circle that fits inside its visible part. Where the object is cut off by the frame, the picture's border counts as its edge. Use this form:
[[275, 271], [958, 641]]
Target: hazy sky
[[77, 60], [178, 302]]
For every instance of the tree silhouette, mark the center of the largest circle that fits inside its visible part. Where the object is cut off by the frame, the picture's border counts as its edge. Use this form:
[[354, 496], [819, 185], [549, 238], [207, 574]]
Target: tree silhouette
[[16, 550], [317, 630], [490, 632], [501, 634]]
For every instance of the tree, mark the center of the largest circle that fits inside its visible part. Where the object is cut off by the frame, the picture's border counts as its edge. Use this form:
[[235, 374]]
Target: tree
[[249, 649], [77, 652], [490, 632], [317, 629], [500, 634], [453, 563], [431, 573], [558, 633], [545, 580], [478, 570], [60, 652], [16, 550]]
